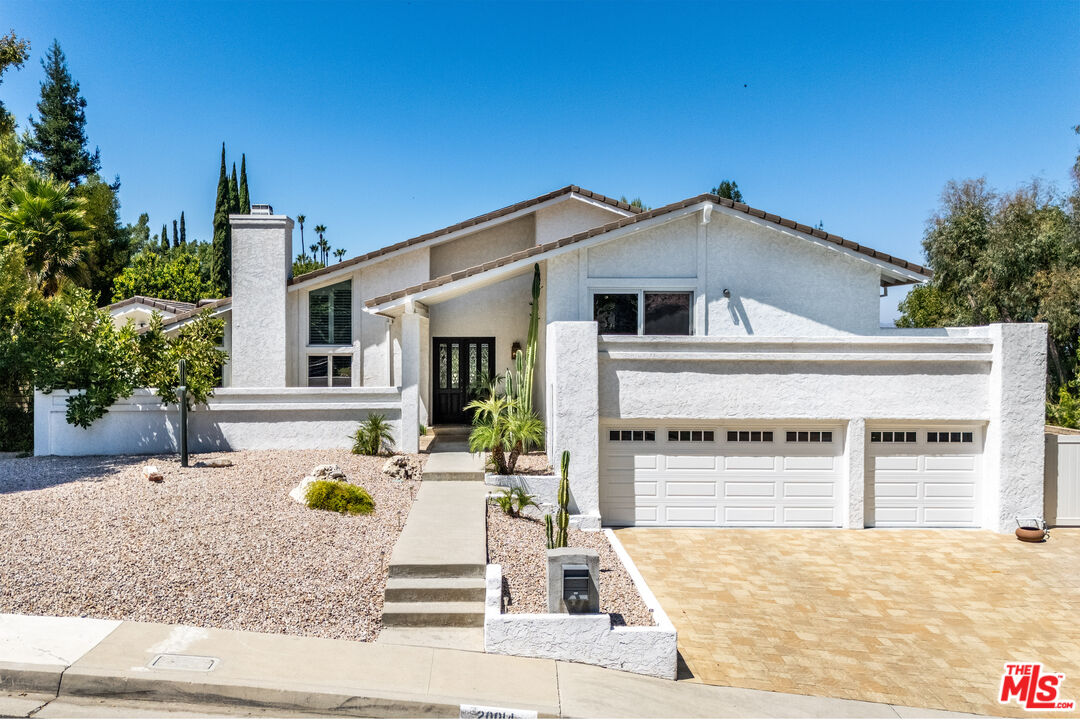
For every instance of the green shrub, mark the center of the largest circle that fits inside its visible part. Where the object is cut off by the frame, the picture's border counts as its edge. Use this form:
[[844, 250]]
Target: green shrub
[[339, 497], [515, 499], [373, 435]]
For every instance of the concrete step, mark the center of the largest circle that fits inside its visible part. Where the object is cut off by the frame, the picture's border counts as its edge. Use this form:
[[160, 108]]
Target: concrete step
[[454, 466], [456, 638], [437, 570], [414, 589], [433, 614]]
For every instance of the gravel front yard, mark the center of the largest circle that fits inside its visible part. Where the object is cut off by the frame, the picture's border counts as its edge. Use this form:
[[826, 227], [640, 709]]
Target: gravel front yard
[[224, 548], [519, 545]]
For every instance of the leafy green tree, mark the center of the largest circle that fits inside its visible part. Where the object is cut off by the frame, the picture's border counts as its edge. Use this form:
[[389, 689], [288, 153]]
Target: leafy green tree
[[108, 243], [140, 234], [183, 229], [197, 342], [728, 189], [304, 264], [175, 277], [57, 141], [164, 239], [12, 151], [245, 197], [221, 266], [635, 204], [48, 221], [13, 54], [24, 317]]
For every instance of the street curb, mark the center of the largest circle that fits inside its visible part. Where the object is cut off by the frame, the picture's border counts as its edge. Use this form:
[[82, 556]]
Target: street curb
[[31, 677]]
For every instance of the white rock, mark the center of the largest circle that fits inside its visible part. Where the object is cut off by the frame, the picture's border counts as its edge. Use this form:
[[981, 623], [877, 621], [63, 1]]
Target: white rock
[[298, 492], [151, 473], [331, 471]]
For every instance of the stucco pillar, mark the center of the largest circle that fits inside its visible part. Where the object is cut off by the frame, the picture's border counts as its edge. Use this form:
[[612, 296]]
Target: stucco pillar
[[261, 267], [854, 503], [1014, 453], [410, 382], [573, 409]]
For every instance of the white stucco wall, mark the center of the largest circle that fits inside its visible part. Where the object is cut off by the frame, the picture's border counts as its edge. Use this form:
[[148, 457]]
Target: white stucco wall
[[261, 267], [234, 419], [572, 417], [479, 247], [590, 639], [570, 217]]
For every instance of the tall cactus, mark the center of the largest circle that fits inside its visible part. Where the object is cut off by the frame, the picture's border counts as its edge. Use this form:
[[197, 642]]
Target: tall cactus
[[563, 516], [549, 531]]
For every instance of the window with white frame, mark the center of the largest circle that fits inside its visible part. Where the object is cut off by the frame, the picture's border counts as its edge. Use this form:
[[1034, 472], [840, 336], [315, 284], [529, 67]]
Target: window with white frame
[[643, 312], [329, 370], [330, 315]]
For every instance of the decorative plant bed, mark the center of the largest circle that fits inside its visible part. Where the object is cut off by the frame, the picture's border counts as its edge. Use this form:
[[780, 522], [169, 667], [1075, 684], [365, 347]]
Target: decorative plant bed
[[544, 488], [631, 632]]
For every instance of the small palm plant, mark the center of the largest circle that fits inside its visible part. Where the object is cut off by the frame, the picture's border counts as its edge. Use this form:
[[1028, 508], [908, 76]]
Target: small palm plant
[[515, 499], [502, 428], [373, 436]]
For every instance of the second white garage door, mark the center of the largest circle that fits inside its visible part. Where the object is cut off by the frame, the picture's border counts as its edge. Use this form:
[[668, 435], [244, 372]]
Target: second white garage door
[[927, 476], [720, 474]]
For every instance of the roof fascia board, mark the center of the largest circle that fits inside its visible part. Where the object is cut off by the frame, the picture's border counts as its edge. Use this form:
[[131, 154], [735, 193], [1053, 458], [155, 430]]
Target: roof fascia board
[[519, 265], [334, 275]]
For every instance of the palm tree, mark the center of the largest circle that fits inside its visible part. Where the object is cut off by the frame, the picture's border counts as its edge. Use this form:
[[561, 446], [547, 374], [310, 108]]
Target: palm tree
[[339, 253], [314, 248], [50, 223], [320, 229], [300, 219]]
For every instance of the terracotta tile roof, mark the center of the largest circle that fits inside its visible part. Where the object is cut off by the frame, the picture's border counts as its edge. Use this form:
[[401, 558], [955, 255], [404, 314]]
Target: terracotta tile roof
[[173, 306], [479, 219], [203, 305], [648, 215]]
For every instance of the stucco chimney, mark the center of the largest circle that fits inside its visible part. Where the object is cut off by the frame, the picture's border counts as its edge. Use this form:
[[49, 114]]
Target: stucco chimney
[[261, 268]]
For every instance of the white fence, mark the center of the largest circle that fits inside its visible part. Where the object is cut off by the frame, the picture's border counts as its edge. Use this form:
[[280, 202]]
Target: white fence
[[1062, 497], [234, 419]]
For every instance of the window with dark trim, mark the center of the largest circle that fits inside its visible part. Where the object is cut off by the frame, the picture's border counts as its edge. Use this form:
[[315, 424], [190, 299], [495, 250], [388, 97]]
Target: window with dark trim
[[616, 313], [749, 436], [329, 370], [632, 435], [893, 436], [666, 313], [691, 435], [950, 437], [330, 315], [646, 312], [801, 436]]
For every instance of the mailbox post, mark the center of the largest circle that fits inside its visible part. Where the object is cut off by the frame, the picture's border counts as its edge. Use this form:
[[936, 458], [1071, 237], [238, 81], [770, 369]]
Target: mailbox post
[[573, 576]]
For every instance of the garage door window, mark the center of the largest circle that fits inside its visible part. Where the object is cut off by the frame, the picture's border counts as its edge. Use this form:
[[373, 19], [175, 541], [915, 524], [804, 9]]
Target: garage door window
[[813, 436], [949, 437], [632, 435], [894, 436], [690, 436], [749, 436]]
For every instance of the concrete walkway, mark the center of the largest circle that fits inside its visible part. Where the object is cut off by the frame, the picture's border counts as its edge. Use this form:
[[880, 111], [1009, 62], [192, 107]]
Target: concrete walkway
[[186, 668], [454, 465]]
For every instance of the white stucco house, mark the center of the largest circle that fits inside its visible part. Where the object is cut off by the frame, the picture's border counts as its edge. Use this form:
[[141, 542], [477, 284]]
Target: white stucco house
[[706, 363]]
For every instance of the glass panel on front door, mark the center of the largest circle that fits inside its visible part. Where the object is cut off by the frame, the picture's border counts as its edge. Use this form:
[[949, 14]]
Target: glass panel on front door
[[464, 368]]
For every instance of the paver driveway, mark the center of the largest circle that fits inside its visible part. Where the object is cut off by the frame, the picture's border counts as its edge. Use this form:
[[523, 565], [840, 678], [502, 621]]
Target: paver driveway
[[914, 617]]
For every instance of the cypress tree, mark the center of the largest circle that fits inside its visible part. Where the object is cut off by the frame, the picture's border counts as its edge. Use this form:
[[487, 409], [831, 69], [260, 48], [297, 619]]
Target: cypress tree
[[183, 229], [57, 141], [245, 198], [221, 262], [175, 235], [234, 192], [164, 238]]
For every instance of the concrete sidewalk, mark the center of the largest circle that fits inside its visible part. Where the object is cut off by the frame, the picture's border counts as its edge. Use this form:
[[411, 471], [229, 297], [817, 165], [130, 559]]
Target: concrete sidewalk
[[192, 670]]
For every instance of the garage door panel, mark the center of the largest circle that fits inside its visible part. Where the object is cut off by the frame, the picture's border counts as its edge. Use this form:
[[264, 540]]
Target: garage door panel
[[897, 463], [809, 463], [749, 489], [808, 489], [690, 462], [705, 515], [886, 516], [761, 515], [948, 490], [948, 516], [886, 490], [794, 515], [750, 463], [951, 463], [684, 488]]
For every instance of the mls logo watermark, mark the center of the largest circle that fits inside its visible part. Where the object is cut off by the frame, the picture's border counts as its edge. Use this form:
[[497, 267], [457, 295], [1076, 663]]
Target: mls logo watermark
[[1032, 688]]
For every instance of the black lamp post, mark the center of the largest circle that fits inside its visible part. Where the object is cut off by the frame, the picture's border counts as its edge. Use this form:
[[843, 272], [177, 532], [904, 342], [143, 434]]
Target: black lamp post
[[183, 413]]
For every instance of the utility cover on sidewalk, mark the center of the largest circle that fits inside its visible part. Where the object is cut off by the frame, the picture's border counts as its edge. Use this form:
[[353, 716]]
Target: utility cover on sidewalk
[[198, 663]]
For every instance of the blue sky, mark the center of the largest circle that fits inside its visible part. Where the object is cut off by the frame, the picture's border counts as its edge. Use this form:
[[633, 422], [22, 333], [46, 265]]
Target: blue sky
[[384, 121]]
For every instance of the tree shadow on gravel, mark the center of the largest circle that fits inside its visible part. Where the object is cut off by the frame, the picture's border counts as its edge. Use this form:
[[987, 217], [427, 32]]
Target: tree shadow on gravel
[[38, 473]]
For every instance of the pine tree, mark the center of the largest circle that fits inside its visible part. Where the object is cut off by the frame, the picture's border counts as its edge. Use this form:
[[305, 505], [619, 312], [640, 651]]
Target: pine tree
[[234, 192], [221, 262], [56, 142], [175, 235], [245, 198], [183, 229], [164, 238]]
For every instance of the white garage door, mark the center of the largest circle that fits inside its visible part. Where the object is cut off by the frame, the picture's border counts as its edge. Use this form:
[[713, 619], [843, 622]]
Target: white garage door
[[923, 476], [744, 475]]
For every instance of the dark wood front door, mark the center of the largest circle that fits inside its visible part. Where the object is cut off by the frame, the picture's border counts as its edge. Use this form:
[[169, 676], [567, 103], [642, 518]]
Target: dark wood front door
[[462, 369]]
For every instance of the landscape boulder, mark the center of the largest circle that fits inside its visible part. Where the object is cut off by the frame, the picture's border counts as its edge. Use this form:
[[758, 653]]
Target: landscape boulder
[[401, 468]]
